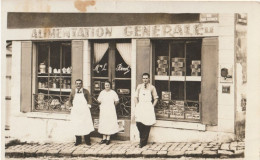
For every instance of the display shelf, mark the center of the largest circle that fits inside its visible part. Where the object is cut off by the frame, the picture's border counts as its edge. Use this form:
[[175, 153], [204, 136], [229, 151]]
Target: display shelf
[[56, 89], [193, 78], [54, 76], [99, 77], [64, 75], [162, 78], [178, 78], [122, 78]]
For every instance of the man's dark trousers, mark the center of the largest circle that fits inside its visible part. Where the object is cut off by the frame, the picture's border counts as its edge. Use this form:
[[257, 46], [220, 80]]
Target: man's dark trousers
[[144, 131]]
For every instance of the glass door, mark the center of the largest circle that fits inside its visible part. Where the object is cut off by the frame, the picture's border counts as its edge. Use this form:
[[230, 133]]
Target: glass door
[[112, 61]]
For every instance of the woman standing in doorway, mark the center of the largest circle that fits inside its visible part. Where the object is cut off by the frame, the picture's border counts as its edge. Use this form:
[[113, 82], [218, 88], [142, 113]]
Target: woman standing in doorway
[[107, 118]]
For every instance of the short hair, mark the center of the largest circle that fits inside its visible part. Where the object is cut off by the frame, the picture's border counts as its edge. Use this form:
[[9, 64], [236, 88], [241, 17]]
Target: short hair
[[108, 82], [79, 80], [146, 74]]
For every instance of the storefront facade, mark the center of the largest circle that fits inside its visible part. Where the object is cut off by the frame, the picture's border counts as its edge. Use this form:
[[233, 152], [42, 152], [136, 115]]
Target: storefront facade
[[191, 59]]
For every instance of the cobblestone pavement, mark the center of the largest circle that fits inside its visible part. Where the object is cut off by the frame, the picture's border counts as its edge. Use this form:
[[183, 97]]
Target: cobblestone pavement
[[126, 149], [138, 158]]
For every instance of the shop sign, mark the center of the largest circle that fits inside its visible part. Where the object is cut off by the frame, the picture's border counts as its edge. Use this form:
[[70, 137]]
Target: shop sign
[[137, 31], [209, 17], [241, 18], [225, 89]]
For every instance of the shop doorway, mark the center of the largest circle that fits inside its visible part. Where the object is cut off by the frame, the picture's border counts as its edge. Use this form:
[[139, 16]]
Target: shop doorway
[[111, 61]]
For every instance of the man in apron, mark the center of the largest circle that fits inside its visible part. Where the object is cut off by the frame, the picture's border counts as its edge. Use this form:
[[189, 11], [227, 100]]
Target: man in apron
[[81, 119], [144, 111]]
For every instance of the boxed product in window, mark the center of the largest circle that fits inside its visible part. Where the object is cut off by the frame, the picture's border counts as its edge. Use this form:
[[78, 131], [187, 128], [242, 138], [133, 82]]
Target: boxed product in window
[[195, 70], [163, 66], [178, 69], [161, 112], [179, 103], [162, 69], [177, 64], [195, 73], [191, 108], [178, 73], [163, 58], [177, 59], [196, 115], [166, 96], [171, 106], [162, 61], [177, 115], [97, 85], [195, 66], [188, 116], [162, 73], [196, 62]]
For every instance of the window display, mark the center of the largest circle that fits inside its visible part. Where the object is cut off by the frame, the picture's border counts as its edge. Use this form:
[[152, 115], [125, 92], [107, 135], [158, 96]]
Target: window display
[[177, 78], [53, 77]]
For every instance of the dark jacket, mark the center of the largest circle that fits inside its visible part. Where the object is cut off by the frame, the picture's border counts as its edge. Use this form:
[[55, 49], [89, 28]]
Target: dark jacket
[[86, 95]]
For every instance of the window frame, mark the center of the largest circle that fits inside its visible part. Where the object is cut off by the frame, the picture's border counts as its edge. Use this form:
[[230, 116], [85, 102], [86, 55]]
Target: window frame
[[167, 78], [63, 107]]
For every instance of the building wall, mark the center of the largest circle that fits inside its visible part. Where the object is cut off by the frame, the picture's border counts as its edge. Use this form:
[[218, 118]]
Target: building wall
[[54, 127], [226, 109]]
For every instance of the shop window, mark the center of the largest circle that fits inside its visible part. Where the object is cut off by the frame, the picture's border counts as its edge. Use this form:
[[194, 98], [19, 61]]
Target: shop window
[[53, 77], [177, 78]]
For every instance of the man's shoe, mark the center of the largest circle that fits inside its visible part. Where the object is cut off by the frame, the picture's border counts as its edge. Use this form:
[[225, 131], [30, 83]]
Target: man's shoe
[[141, 146], [78, 140], [108, 142], [87, 139], [102, 141]]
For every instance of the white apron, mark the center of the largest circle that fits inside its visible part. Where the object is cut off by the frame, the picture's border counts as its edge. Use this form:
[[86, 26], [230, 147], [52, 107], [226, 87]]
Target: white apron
[[144, 111], [81, 120]]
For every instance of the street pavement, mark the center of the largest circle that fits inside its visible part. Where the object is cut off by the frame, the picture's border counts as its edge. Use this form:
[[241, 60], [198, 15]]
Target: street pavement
[[127, 149]]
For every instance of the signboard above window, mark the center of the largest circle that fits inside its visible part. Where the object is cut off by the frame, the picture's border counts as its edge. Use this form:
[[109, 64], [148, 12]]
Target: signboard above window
[[108, 32], [209, 17]]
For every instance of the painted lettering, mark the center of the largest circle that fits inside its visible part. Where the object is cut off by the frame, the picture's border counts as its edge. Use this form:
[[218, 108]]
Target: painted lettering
[[137, 31], [80, 32], [156, 30], [109, 32], [99, 68], [73, 30], [187, 30], [100, 32], [198, 28], [86, 32], [123, 69], [178, 30], [58, 33], [34, 33], [167, 30], [128, 31], [51, 33], [92, 32], [146, 31], [66, 33]]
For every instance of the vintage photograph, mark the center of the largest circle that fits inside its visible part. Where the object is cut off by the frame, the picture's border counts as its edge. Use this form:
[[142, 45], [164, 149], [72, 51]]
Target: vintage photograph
[[120, 80]]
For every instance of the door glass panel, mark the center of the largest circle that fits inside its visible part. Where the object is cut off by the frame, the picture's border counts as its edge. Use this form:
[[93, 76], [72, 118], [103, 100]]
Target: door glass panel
[[122, 69], [100, 69]]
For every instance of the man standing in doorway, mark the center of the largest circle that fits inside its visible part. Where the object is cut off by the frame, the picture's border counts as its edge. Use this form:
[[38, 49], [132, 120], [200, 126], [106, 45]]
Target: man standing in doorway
[[144, 111], [81, 119]]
